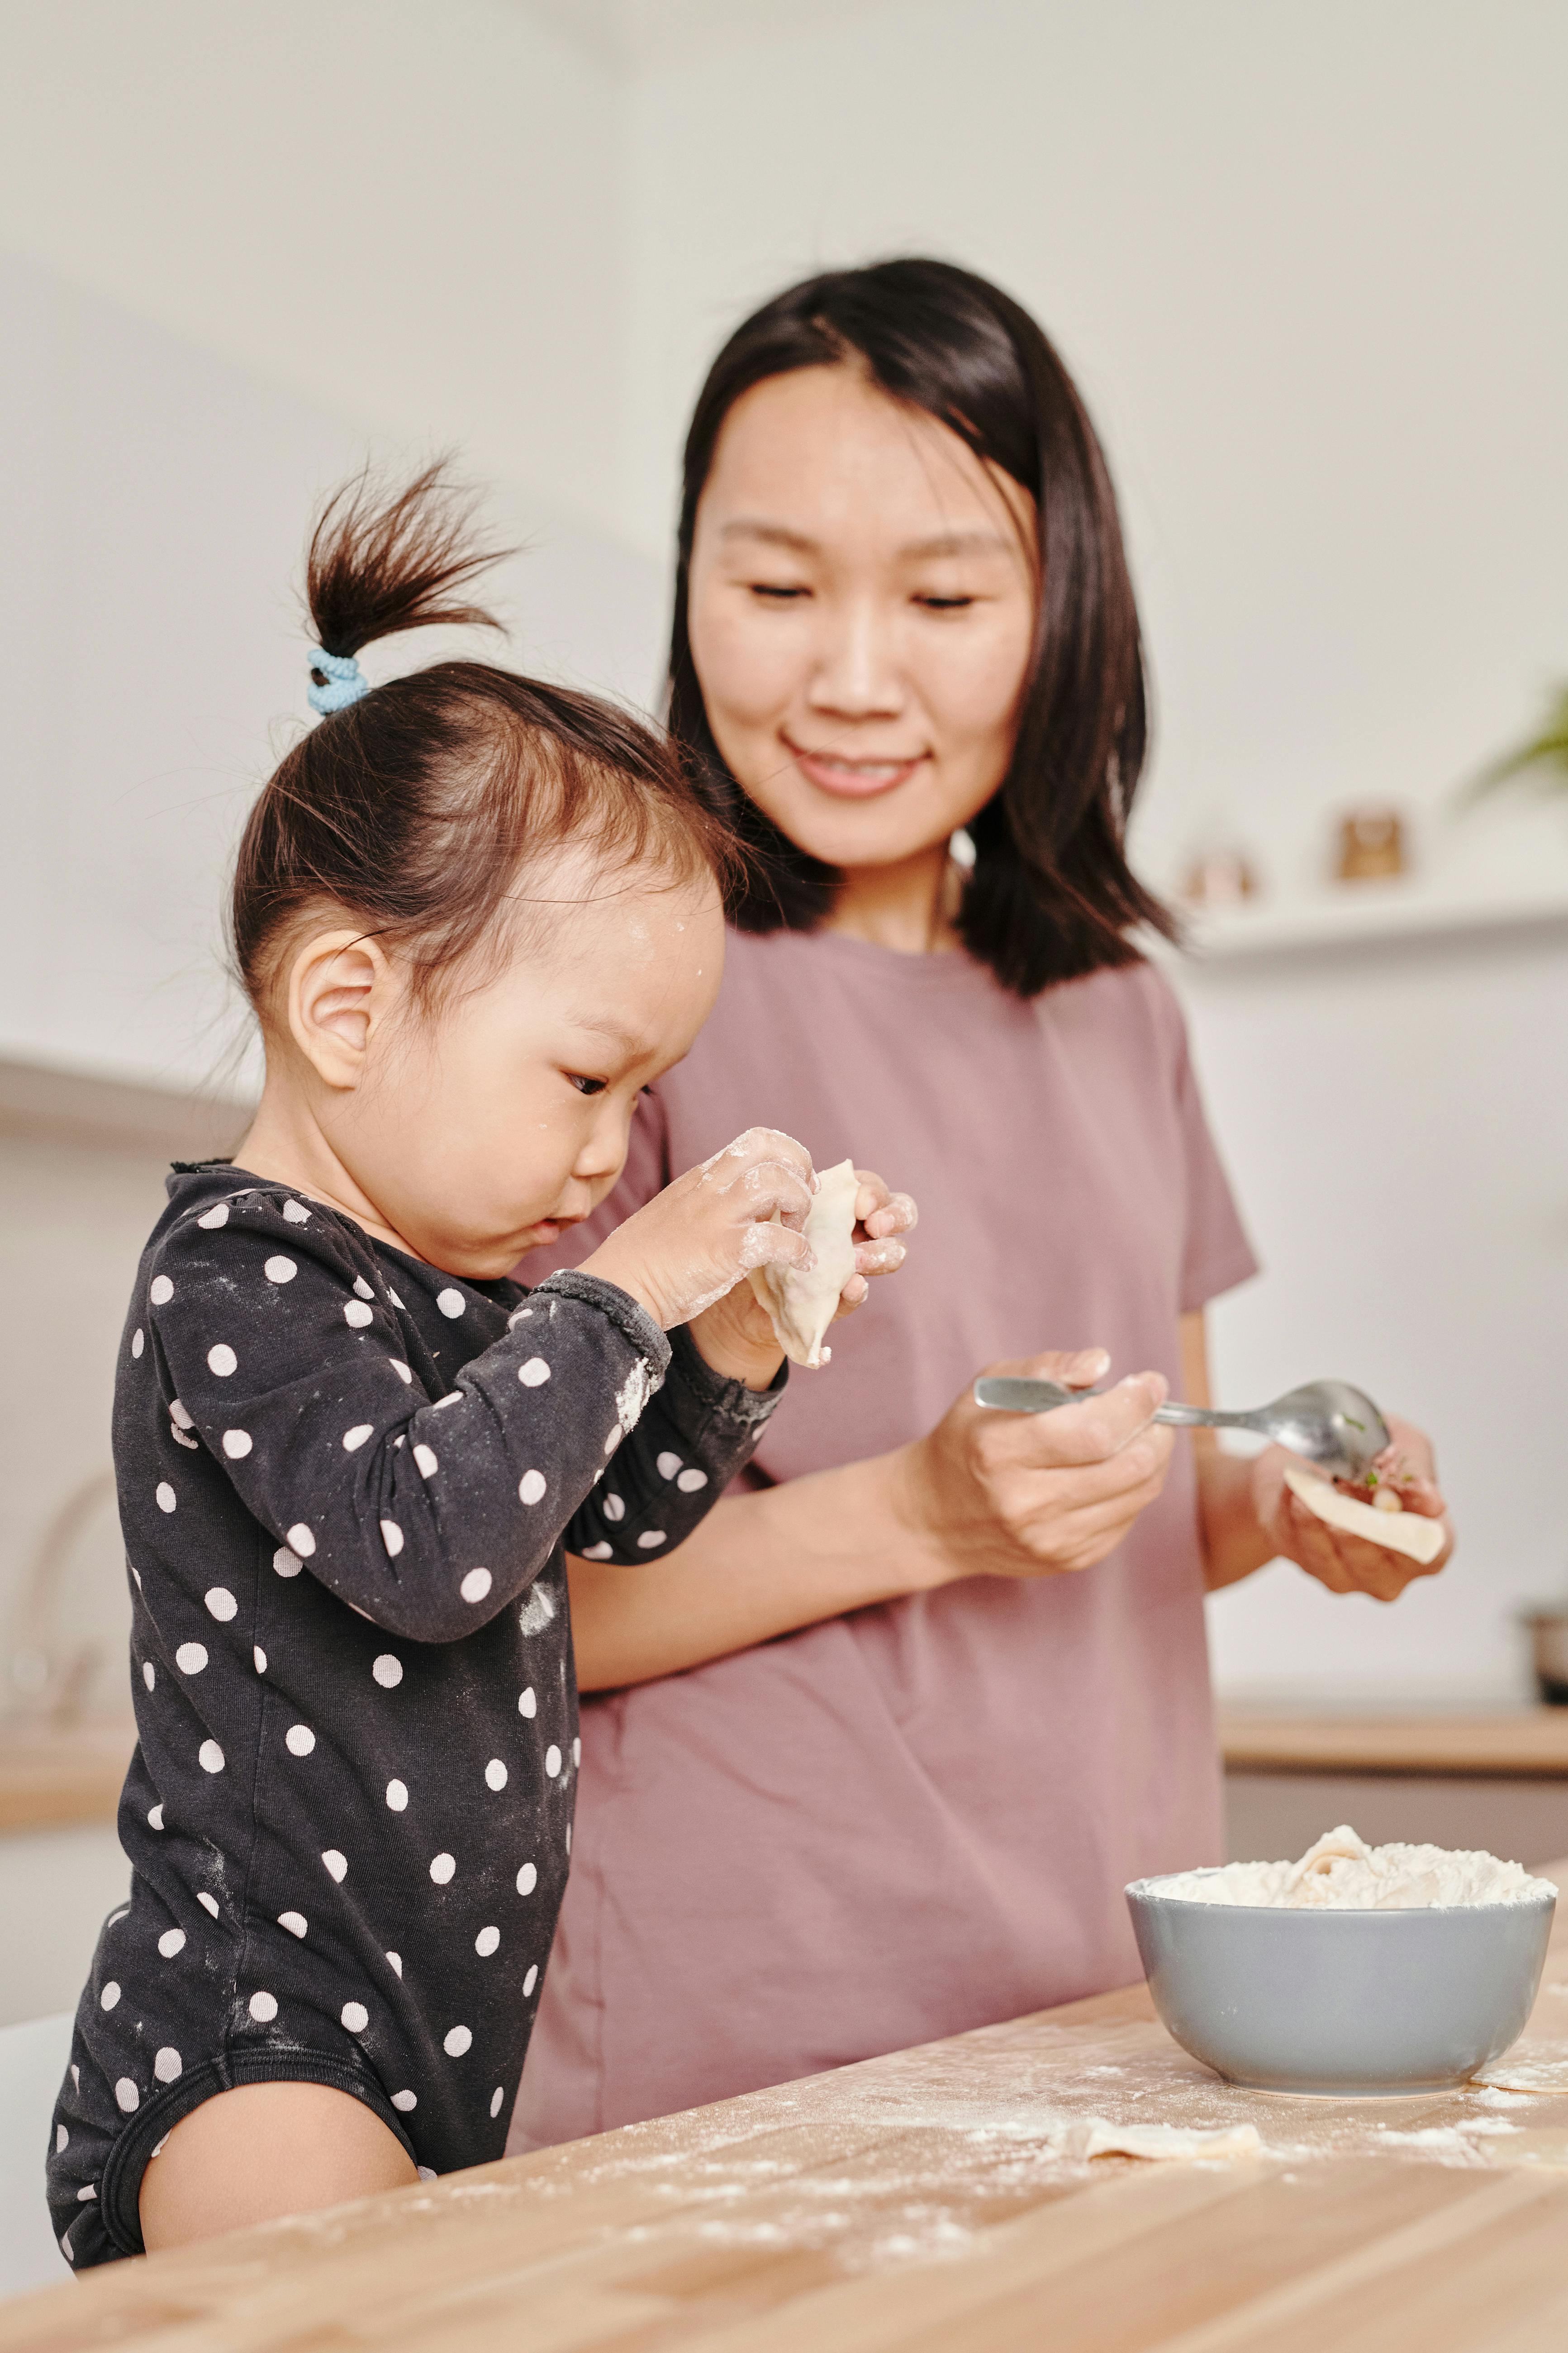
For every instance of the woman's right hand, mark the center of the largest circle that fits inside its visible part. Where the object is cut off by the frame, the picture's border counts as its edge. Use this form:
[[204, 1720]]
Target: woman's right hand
[[1016, 1495]]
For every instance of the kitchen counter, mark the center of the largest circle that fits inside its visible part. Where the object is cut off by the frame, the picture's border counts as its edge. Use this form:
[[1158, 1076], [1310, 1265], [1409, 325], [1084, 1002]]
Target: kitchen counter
[[915, 2202], [1514, 1742]]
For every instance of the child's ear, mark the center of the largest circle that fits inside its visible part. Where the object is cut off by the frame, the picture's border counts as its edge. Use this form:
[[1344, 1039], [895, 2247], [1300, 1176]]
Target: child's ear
[[340, 990]]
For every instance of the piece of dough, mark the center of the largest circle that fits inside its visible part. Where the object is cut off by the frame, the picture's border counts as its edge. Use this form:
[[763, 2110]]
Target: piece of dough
[[802, 1306], [1091, 2136], [1410, 1533]]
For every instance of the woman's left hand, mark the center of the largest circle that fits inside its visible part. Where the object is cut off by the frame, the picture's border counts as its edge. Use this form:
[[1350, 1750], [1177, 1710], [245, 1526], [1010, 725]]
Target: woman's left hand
[[1348, 1563]]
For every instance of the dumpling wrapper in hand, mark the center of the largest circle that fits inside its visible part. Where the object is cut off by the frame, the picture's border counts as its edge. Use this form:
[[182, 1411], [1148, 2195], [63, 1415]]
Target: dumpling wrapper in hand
[[1410, 1532], [802, 1306]]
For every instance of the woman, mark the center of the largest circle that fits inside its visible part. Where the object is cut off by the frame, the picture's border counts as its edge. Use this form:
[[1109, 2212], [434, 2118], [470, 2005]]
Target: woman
[[877, 1750]]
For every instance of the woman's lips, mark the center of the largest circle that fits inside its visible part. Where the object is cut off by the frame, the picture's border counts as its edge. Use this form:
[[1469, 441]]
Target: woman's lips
[[852, 780]]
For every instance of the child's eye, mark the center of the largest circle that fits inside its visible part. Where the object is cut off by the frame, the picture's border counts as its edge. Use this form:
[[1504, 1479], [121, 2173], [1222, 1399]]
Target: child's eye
[[945, 604], [587, 1086], [774, 594]]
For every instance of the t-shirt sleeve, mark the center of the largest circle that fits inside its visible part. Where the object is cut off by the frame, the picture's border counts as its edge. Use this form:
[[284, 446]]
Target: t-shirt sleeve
[[428, 1516], [1216, 1253], [647, 1172]]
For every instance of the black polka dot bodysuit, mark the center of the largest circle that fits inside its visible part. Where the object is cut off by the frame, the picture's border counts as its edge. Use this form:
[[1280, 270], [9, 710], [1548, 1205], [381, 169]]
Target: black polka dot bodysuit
[[346, 1483]]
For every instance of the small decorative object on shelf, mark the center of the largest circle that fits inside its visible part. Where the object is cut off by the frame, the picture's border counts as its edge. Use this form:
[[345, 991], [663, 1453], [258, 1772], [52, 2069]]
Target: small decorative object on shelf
[[1219, 877], [1371, 846]]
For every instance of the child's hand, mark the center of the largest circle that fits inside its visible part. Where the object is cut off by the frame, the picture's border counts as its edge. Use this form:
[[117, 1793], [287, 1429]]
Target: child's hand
[[703, 1234], [736, 1334]]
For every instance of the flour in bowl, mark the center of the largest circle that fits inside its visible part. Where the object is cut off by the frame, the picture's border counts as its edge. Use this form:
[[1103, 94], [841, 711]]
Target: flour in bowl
[[1342, 1873]]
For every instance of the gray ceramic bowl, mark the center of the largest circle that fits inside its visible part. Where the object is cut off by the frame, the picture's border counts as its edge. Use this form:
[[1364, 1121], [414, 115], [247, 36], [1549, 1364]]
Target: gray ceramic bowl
[[1341, 2002]]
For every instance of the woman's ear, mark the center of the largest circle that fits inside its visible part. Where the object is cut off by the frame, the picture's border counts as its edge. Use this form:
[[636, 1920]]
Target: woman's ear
[[342, 990]]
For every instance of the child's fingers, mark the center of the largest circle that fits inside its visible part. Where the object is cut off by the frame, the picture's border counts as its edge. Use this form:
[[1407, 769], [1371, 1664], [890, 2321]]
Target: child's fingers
[[878, 1257], [765, 1244], [880, 1211], [852, 1296]]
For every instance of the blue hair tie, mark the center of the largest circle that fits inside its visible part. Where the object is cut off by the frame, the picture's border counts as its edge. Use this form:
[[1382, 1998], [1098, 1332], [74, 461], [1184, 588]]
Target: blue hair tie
[[345, 681]]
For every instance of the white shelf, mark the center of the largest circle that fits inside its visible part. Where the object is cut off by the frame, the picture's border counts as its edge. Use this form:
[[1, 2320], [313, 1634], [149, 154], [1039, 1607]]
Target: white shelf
[[1350, 914]]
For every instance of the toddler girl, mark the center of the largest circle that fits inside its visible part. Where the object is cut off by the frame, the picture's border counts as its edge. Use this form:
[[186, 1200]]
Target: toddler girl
[[476, 915]]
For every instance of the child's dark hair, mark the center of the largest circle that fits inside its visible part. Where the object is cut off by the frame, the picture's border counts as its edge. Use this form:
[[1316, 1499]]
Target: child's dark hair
[[413, 807]]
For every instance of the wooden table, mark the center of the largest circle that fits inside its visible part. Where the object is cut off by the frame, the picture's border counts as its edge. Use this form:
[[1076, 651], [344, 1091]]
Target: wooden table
[[913, 2203], [1519, 1743], [52, 1777]]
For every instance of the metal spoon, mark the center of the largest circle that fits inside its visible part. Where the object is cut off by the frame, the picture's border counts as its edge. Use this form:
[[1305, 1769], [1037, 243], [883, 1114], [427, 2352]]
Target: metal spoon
[[1323, 1422]]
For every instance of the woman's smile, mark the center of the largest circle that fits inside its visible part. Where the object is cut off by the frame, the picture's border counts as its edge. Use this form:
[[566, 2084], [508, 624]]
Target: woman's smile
[[850, 778]]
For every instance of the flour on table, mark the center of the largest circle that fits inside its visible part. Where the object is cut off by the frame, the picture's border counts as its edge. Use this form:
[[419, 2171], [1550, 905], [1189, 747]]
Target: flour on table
[[1526, 2075], [803, 1305], [1342, 1873]]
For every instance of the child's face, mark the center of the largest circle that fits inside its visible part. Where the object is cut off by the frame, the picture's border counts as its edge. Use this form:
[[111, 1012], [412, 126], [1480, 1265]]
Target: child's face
[[479, 1130]]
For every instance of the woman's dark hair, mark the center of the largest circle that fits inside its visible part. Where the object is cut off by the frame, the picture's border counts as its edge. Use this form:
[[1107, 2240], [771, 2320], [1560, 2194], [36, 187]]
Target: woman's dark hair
[[1051, 895], [413, 807]]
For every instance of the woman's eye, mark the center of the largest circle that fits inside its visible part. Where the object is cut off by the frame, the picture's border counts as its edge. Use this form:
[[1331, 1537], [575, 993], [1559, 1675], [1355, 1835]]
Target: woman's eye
[[588, 1086]]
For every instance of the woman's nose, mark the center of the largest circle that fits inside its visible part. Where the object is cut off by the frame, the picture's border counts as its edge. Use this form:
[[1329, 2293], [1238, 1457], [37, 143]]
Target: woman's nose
[[856, 674]]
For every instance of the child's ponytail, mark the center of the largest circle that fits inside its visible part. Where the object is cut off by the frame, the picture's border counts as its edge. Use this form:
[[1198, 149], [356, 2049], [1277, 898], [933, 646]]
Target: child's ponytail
[[413, 803]]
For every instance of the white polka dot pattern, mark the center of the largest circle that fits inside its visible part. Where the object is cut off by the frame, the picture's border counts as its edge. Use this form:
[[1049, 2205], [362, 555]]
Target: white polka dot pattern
[[127, 2098], [258, 1657], [691, 1483], [650, 1539], [155, 1817], [170, 1942], [527, 1701], [109, 1996], [222, 1360], [387, 1671], [495, 1774], [356, 2017], [405, 2101], [451, 1302], [295, 1922], [236, 1444], [394, 1962], [280, 1269], [486, 1942], [357, 1314], [666, 1465], [552, 1760], [337, 1864], [476, 1585], [527, 1879], [297, 1213], [362, 1288], [598, 1552], [613, 1506], [190, 1658], [355, 1438], [286, 1563], [167, 2067], [299, 1740], [149, 1674], [164, 1496], [138, 1341], [301, 1541], [263, 2007], [424, 1462], [534, 1374], [214, 1216], [497, 2096], [531, 1487], [221, 1603], [457, 2041], [392, 1537], [442, 1868], [530, 1981], [160, 1291], [397, 1796], [208, 1903], [400, 1368], [209, 1756]]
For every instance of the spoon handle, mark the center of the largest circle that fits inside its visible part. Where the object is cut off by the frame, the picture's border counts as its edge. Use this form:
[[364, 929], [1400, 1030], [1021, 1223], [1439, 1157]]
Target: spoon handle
[[1201, 1416]]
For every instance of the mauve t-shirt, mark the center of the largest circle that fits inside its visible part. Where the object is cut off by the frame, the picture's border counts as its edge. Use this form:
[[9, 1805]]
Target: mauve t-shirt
[[919, 1817]]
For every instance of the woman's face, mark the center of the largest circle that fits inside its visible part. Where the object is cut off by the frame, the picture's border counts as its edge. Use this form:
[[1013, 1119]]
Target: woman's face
[[862, 610]]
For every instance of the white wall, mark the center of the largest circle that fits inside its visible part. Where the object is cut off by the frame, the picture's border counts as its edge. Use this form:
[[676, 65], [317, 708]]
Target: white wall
[[1308, 261]]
